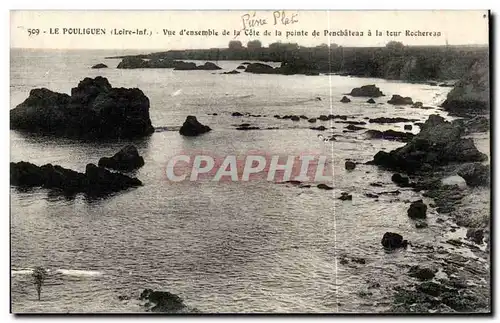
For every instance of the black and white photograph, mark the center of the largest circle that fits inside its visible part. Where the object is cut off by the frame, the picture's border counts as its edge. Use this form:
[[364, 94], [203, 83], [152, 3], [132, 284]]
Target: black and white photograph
[[250, 162]]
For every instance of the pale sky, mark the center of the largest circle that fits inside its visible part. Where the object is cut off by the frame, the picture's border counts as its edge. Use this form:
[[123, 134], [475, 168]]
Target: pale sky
[[455, 27]]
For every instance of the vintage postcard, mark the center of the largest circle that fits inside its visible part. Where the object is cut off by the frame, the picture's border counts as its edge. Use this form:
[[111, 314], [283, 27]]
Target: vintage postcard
[[281, 161]]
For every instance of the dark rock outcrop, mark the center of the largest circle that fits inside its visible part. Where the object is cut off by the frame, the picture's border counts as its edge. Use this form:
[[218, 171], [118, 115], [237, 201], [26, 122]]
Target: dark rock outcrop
[[158, 301], [422, 273], [476, 124], [241, 67], [208, 66], [132, 62], [354, 128], [297, 66], [390, 120], [231, 72], [476, 235], [259, 68], [324, 187], [399, 100], [350, 165], [100, 65], [367, 90], [438, 143], [246, 126], [372, 101], [96, 181], [417, 210], [475, 174], [392, 240], [95, 110], [401, 181], [344, 196], [421, 225], [418, 105], [390, 135], [320, 128], [185, 66], [126, 159], [471, 95], [192, 127], [345, 99], [408, 127]]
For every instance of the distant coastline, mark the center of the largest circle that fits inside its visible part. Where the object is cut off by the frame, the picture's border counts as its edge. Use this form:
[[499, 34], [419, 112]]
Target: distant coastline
[[395, 61]]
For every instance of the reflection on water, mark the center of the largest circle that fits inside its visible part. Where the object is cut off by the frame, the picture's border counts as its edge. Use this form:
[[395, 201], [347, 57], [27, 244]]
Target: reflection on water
[[223, 247]]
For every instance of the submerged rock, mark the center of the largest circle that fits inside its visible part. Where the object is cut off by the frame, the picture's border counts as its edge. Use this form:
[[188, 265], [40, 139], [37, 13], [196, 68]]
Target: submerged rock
[[231, 72], [345, 99], [390, 120], [417, 210], [95, 110], [320, 128], [96, 181], [344, 196], [367, 90], [192, 127], [389, 135], [126, 159], [354, 128], [100, 65], [324, 187], [392, 240]]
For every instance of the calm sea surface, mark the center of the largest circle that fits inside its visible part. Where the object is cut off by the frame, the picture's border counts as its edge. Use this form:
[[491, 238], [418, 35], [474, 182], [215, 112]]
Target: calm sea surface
[[223, 247]]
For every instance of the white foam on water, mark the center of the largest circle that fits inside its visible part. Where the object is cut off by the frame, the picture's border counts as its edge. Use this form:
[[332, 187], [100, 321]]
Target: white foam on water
[[21, 272], [176, 93], [67, 272], [76, 272]]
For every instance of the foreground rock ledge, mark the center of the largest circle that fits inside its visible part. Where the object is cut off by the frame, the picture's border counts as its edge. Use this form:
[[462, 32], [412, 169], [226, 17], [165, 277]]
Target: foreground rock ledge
[[95, 110], [96, 181], [164, 302], [438, 143]]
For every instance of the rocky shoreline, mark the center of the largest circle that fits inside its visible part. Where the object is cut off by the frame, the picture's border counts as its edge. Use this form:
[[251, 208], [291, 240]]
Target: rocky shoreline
[[445, 165], [441, 162]]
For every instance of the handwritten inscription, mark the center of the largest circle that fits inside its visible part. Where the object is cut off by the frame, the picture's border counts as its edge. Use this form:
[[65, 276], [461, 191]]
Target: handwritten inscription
[[278, 18]]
